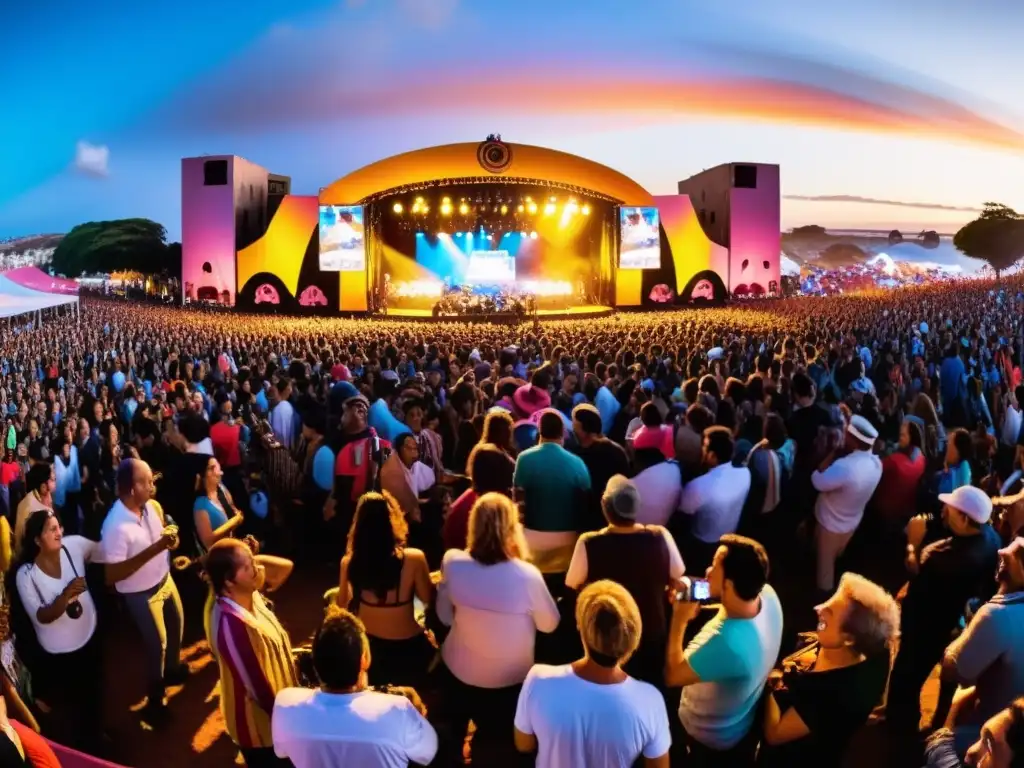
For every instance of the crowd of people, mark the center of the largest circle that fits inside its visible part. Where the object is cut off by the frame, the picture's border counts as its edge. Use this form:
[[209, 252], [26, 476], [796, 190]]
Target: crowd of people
[[733, 537]]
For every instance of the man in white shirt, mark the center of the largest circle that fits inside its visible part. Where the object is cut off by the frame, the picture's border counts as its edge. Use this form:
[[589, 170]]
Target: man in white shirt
[[136, 545], [845, 485], [590, 712], [715, 499], [344, 722], [282, 415]]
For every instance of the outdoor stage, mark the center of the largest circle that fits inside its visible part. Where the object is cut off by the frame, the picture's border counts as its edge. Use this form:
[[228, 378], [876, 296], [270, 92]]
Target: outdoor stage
[[587, 312]]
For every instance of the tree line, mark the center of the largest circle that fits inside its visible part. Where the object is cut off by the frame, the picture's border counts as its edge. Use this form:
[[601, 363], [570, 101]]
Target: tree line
[[138, 245]]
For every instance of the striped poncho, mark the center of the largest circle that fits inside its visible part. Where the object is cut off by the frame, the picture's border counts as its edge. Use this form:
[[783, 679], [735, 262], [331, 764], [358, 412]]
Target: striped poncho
[[255, 659]]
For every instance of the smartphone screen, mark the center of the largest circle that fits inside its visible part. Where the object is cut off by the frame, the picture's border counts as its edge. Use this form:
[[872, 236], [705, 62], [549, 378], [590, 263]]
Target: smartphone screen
[[700, 590]]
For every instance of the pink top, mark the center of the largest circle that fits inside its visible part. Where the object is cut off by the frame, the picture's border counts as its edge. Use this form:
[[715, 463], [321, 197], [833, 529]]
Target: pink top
[[656, 437]]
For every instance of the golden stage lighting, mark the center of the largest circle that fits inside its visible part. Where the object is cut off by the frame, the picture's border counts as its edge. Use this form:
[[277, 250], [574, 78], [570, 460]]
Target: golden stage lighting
[[549, 209], [504, 210], [532, 207], [463, 209], [585, 210], [446, 200], [533, 235], [520, 208], [446, 207], [397, 208]]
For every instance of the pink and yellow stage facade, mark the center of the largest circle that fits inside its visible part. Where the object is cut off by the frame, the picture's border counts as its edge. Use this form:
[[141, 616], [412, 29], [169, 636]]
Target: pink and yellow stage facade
[[437, 216]]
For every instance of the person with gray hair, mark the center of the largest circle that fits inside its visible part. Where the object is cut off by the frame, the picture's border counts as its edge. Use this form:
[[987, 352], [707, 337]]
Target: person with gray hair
[[136, 541], [642, 558], [591, 712]]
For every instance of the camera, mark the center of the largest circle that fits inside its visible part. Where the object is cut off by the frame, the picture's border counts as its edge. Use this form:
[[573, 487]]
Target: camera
[[74, 610], [693, 590]]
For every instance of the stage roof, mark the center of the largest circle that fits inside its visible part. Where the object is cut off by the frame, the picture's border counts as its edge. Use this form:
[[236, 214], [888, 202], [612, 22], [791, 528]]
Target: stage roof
[[28, 289], [497, 160]]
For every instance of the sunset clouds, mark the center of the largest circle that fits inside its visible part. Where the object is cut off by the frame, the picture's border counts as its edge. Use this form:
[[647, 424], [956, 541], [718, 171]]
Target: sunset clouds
[[368, 68]]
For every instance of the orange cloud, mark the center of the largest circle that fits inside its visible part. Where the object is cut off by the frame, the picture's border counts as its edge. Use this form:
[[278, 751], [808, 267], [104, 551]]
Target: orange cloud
[[644, 100]]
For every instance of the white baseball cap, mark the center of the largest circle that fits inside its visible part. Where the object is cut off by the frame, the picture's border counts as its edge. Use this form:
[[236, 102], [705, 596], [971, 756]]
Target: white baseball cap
[[863, 430], [972, 501]]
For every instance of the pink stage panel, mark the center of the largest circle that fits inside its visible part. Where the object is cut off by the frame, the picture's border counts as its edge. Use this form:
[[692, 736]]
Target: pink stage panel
[[755, 236], [207, 232], [37, 280]]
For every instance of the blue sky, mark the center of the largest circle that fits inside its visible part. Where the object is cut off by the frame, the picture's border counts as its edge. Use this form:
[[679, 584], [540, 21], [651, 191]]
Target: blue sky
[[903, 102]]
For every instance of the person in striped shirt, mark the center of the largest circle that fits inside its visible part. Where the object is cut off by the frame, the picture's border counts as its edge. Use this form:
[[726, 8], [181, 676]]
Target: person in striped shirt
[[252, 649]]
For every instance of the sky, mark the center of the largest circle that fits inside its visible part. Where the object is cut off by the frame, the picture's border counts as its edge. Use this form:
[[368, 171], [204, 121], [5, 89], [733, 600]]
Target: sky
[[881, 114]]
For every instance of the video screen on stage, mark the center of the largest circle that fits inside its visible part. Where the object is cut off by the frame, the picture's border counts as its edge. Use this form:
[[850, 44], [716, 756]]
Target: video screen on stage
[[491, 268], [342, 239], [639, 238]]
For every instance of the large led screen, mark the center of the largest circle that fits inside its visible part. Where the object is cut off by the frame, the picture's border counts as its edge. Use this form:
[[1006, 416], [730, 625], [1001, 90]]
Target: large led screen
[[491, 268], [342, 239], [639, 238]]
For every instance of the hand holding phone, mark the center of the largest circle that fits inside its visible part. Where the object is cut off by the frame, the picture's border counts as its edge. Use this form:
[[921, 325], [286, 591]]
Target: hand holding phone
[[689, 590]]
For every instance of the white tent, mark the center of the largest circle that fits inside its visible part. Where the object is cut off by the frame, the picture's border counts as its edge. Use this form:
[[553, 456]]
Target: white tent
[[29, 290]]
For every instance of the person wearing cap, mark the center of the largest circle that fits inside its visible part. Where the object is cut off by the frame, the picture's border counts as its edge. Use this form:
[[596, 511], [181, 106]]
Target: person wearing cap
[[945, 575], [360, 455], [642, 558], [845, 485], [591, 712], [987, 659]]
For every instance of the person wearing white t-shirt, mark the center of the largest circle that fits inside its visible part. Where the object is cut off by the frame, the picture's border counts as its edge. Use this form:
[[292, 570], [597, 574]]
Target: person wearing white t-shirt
[[51, 584], [590, 712], [136, 545], [714, 499], [845, 485], [494, 601], [345, 722]]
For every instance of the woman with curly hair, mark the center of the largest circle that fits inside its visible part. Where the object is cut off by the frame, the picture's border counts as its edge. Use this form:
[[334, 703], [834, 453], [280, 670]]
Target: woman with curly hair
[[827, 690], [380, 578]]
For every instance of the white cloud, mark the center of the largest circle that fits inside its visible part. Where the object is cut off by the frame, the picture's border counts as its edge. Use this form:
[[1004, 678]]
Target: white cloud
[[432, 14], [92, 159]]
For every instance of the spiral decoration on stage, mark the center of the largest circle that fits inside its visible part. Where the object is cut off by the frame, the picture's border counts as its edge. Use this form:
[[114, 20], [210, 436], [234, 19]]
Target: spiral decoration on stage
[[494, 156]]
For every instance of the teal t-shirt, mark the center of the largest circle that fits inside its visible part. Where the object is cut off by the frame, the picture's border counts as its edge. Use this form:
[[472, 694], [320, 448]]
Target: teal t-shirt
[[732, 657], [552, 480]]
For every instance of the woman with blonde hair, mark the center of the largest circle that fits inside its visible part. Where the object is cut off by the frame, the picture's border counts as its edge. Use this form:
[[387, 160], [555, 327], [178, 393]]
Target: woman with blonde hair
[[827, 691], [495, 601], [591, 712]]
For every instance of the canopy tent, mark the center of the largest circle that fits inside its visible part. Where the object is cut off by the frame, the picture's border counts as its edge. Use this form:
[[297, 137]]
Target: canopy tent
[[28, 289]]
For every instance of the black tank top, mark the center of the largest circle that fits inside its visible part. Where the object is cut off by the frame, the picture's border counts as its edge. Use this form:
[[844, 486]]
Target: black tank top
[[639, 562]]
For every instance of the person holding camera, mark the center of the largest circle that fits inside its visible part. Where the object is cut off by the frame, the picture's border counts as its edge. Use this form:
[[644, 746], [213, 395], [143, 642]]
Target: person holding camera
[[51, 584], [136, 543]]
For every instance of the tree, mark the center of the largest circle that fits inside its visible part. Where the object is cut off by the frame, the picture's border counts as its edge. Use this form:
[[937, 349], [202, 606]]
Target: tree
[[809, 229], [108, 246], [895, 237], [996, 236]]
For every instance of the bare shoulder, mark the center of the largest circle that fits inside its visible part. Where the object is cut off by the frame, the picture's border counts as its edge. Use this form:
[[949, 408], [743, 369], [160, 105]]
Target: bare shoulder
[[415, 557]]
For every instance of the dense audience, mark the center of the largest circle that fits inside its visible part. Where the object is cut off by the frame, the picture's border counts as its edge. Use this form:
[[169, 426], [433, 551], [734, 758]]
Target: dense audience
[[735, 536]]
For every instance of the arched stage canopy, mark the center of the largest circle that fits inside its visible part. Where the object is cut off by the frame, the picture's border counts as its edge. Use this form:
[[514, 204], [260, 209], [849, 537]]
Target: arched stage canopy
[[463, 161], [29, 289]]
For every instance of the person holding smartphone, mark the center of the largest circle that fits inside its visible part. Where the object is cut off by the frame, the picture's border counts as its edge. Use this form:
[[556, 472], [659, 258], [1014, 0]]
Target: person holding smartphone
[[51, 584], [136, 544]]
